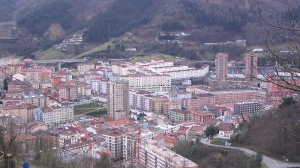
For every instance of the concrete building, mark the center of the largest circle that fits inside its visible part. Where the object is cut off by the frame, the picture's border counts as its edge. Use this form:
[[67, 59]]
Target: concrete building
[[32, 74], [247, 108], [221, 66], [114, 142], [170, 105], [53, 115], [180, 115], [160, 157], [24, 110], [229, 94], [82, 68], [152, 83], [118, 99], [251, 67], [202, 116]]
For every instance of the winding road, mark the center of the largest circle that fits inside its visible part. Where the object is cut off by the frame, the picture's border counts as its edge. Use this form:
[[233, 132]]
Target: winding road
[[271, 163]]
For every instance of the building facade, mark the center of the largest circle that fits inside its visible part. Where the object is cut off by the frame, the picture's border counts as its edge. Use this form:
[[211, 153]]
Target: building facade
[[118, 99], [251, 67], [221, 66]]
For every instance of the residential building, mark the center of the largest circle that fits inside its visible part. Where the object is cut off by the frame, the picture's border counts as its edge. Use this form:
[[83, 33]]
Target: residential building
[[152, 83], [180, 115], [170, 105], [229, 94], [25, 110], [251, 67], [118, 99], [199, 101], [114, 142], [202, 116], [159, 157], [55, 114], [51, 137], [68, 137], [247, 108], [221, 66], [158, 103], [225, 130], [18, 85], [82, 68], [32, 74]]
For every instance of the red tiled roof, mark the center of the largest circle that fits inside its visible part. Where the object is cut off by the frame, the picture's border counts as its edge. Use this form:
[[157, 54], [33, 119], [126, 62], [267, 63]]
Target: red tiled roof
[[170, 140], [225, 126]]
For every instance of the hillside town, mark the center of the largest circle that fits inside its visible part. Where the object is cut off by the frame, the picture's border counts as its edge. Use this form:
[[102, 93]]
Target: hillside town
[[150, 107]]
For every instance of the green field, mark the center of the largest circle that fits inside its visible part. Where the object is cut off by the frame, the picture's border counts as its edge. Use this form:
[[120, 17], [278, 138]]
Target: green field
[[101, 47], [83, 108], [98, 113], [88, 105], [168, 58]]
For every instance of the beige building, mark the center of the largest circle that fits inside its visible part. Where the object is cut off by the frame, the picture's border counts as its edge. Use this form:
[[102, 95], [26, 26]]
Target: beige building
[[221, 66], [251, 66], [159, 157], [25, 110], [117, 99], [158, 103], [32, 74], [82, 68], [180, 115]]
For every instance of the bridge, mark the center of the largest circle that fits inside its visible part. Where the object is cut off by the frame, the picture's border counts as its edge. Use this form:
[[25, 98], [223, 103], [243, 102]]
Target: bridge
[[59, 61]]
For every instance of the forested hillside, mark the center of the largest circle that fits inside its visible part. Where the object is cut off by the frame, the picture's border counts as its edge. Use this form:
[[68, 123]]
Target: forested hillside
[[7, 8], [120, 17], [101, 20], [40, 20], [276, 133]]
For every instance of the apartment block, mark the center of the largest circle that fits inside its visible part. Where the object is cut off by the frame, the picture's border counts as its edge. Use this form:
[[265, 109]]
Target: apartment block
[[24, 110], [221, 66], [152, 83], [118, 99], [159, 157], [170, 105], [158, 103], [251, 67], [56, 114], [114, 142], [202, 116], [32, 74], [199, 101], [247, 108], [68, 137], [180, 115], [82, 68], [228, 95]]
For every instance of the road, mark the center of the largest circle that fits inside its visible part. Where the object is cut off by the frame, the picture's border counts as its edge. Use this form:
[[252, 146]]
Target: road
[[272, 163]]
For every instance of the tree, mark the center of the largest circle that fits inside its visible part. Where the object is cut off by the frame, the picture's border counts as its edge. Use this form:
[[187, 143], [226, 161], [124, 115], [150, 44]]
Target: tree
[[5, 84], [211, 131], [104, 162], [287, 101], [285, 61]]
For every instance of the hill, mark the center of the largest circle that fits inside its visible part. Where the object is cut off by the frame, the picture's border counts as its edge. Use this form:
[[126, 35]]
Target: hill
[[205, 21], [280, 127]]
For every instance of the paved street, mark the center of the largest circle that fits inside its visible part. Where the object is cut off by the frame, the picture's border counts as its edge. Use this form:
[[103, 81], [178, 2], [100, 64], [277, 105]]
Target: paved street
[[272, 163]]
